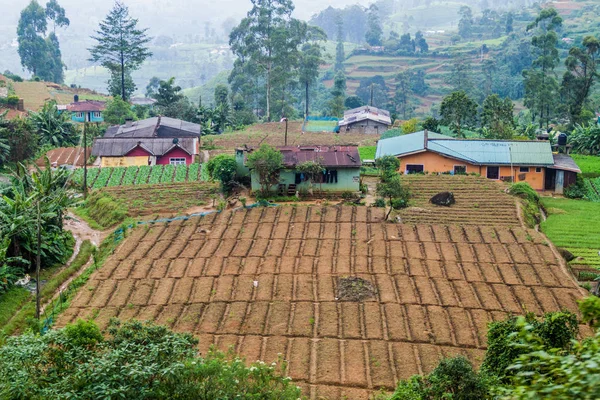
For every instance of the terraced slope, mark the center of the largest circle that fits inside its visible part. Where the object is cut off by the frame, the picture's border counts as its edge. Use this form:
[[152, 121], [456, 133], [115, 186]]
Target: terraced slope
[[479, 201], [265, 282]]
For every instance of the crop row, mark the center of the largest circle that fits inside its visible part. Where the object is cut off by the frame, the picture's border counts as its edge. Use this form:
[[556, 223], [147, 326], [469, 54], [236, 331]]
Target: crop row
[[138, 175], [592, 187]]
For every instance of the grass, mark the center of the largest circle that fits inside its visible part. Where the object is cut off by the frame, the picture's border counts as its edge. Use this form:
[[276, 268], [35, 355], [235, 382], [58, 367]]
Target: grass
[[367, 152], [575, 226], [589, 165], [11, 302], [102, 211]]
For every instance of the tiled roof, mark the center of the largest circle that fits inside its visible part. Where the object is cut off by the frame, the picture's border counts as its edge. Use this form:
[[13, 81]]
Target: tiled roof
[[87, 105], [474, 151]]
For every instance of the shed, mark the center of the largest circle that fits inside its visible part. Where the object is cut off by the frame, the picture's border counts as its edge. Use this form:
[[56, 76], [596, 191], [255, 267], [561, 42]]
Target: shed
[[366, 119]]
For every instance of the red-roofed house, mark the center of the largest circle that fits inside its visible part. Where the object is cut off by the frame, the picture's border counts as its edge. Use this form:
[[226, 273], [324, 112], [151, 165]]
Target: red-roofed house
[[85, 111]]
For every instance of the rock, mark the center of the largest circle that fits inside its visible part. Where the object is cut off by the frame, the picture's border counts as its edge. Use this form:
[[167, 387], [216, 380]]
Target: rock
[[443, 199], [566, 254]]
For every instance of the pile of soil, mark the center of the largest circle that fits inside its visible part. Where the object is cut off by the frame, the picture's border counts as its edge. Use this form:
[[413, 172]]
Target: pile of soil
[[353, 288]]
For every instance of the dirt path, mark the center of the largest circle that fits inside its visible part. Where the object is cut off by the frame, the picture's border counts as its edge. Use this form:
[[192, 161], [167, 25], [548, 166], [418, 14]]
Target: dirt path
[[82, 231]]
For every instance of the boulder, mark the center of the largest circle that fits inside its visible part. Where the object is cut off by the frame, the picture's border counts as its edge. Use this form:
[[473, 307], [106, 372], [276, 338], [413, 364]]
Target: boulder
[[443, 199], [566, 254]]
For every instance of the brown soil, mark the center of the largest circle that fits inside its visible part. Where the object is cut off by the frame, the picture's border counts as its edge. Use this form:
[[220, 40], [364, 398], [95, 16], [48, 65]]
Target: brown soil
[[354, 289]]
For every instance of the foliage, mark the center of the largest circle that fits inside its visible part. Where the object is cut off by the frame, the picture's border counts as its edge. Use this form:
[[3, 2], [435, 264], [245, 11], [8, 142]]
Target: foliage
[[312, 169], [555, 331], [410, 126], [171, 102], [431, 124], [121, 45], [338, 93], [388, 167], [18, 140], [367, 152], [223, 168], [395, 192], [266, 162], [459, 111], [40, 53], [117, 111], [586, 139], [311, 58], [374, 34], [590, 311], [54, 127], [135, 361], [105, 210], [497, 117]]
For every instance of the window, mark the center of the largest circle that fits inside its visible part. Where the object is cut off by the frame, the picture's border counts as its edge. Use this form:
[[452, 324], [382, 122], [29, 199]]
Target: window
[[414, 168], [329, 176], [538, 169], [96, 114], [493, 172], [460, 169], [79, 115], [523, 169], [177, 161]]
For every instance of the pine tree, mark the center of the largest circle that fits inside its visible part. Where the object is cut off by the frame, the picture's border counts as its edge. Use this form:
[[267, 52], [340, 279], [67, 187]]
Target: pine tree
[[121, 46], [340, 56]]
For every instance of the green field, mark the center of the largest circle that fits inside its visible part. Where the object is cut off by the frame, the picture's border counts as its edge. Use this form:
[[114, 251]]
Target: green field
[[367, 152], [575, 226], [589, 165], [125, 176]]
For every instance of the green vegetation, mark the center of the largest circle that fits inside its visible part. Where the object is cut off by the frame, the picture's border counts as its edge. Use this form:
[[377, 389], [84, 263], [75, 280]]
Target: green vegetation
[[589, 165], [575, 226], [367, 152], [134, 361], [134, 175], [102, 210], [11, 302], [531, 202]]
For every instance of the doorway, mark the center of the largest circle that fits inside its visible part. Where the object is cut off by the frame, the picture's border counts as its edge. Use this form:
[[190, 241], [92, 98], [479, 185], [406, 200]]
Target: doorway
[[493, 173]]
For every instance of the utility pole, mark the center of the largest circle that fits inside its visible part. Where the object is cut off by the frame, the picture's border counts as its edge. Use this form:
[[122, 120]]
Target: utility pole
[[286, 129], [371, 95], [38, 262], [85, 160]]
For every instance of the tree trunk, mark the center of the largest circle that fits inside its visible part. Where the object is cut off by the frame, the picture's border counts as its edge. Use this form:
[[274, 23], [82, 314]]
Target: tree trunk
[[38, 263], [268, 111], [306, 103], [122, 77]]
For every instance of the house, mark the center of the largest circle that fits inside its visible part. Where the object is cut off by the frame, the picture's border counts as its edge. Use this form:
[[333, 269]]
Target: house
[[341, 169], [152, 141], [84, 111], [366, 119], [507, 160]]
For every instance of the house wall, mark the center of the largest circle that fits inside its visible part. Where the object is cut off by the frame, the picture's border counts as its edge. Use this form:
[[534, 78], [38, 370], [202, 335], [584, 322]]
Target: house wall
[[175, 153], [366, 126], [348, 181], [436, 163], [138, 152], [123, 161], [87, 116]]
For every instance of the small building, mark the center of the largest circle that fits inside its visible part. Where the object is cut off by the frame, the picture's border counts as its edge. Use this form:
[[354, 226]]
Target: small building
[[366, 119], [85, 111], [152, 141], [508, 160], [65, 157], [341, 169]]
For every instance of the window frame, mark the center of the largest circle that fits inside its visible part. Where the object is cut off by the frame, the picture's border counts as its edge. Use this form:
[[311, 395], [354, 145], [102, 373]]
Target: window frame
[[177, 161], [538, 170], [487, 172], [459, 165], [414, 165], [524, 170], [79, 114]]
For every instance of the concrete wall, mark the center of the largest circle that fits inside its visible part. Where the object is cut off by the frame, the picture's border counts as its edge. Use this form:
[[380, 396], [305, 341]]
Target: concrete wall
[[123, 161], [366, 126], [436, 163], [348, 181], [87, 116]]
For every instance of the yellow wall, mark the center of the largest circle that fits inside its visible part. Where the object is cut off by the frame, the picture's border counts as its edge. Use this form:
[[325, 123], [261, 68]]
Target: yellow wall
[[433, 162], [123, 161]]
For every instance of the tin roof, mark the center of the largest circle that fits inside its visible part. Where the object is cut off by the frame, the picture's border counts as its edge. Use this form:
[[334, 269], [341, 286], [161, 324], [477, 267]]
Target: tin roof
[[366, 112], [110, 147], [328, 156], [87, 105], [565, 162], [474, 151], [162, 127], [64, 156]]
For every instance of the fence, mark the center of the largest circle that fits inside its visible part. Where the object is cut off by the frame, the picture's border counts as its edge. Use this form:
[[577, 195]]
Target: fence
[[320, 124]]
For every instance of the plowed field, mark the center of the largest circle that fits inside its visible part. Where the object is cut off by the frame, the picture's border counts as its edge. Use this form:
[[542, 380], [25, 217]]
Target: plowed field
[[479, 201], [264, 281]]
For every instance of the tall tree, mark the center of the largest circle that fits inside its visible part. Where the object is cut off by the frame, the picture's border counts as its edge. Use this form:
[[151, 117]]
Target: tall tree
[[459, 111], [310, 59], [40, 53], [152, 86], [336, 105], [582, 70], [121, 45], [465, 24], [256, 37], [421, 43], [403, 90], [509, 23], [541, 85], [221, 94], [374, 34], [461, 76], [497, 117]]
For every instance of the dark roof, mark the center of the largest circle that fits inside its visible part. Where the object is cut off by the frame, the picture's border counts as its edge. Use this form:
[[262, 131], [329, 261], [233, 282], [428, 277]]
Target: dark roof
[[565, 162], [157, 127], [87, 105], [109, 147], [328, 156]]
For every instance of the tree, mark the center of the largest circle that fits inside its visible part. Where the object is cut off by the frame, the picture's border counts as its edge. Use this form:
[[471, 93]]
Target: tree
[[266, 163], [313, 170], [431, 124], [340, 57], [497, 116], [465, 24], [461, 76], [168, 93], [421, 43], [393, 190], [152, 87], [458, 111], [223, 168], [221, 94], [541, 86], [132, 360], [509, 23], [53, 127], [21, 139], [311, 59], [578, 80], [117, 111], [488, 67], [388, 167], [375, 86], [121, 45], [403, 90], [40, 54], [353, 102], [336, 105], [115, 84], [374, 34], [586, 139]]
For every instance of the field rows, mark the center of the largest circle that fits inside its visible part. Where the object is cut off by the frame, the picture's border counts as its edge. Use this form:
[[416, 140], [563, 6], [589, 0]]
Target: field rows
[[99, 178], [266, 280]]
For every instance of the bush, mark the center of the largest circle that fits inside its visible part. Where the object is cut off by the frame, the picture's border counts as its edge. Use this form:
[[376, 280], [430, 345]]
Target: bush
[[12, 100], [399, 203], [135, 361], [577, 190], [531, 209], [105, 209], [379, 202], [222, 168]]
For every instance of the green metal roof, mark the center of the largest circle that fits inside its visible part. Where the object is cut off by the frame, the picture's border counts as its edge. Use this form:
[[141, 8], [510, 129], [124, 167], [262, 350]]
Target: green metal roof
[[487, 152]]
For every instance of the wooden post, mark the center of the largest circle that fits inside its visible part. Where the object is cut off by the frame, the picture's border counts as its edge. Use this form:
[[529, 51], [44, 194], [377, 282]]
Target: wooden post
[[84, 161], [286, 129]]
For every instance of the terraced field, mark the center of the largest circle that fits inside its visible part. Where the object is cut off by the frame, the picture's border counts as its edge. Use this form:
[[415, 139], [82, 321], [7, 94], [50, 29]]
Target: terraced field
[[99, 178], [479, 201], [266, 281]]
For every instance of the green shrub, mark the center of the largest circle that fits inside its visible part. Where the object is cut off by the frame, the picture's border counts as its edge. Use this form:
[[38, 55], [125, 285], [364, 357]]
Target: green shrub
[[105, 209], [379, 202], [576, 190], [12, 100], [398, 204], [524, 191], [222, 168]]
